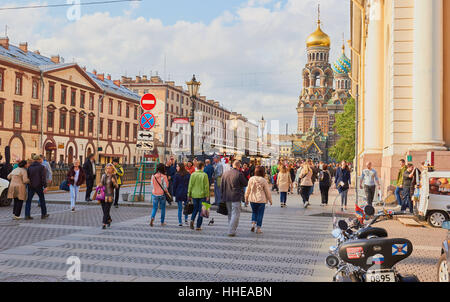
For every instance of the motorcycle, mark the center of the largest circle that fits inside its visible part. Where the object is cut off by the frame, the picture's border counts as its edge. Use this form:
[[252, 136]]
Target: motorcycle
[[364, 253]]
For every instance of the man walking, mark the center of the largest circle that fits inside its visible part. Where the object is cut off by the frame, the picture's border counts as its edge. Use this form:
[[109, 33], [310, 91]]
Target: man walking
[[218, 172], [38, 184], [49, 173], [370, 180], [233, 184], [398, 190], [198, 192], [209, 170], [171, 170], [90, 171], [119, 174], [407, 184]]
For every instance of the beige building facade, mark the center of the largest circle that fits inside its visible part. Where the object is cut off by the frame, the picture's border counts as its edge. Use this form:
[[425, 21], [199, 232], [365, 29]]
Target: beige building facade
[[61, 110], [401, 65]]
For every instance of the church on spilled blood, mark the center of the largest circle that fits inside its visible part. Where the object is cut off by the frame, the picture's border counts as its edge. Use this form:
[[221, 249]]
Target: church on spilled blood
[[325, 92]]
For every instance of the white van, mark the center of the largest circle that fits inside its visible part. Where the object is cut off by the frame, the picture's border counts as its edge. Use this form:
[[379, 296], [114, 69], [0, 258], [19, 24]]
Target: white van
[[4, 201], [434, 202]]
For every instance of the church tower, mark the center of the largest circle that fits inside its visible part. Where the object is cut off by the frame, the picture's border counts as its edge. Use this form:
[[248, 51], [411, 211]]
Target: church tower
[[317, 82]]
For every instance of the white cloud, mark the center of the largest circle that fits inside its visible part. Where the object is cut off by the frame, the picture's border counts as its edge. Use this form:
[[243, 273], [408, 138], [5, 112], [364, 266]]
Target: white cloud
[[250, 59]]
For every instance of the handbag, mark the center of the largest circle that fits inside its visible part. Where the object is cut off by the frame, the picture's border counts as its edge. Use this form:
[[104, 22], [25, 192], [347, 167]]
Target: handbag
[[222, 209], [99, 194], [188, 208], [169, 198], [64, 186], [205, 209]]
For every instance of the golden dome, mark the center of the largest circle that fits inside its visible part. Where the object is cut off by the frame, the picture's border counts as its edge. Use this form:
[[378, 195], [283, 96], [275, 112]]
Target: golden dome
[[318, 38]]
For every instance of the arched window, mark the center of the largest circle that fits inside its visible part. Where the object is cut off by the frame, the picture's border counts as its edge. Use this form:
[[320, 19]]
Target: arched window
[[317, 79]]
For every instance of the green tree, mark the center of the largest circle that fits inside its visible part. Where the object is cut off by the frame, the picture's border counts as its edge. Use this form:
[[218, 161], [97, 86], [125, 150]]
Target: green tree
[[345, 128]]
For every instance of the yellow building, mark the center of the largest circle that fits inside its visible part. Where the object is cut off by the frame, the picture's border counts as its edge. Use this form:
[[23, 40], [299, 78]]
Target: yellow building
[[401, 64], [61, 110]]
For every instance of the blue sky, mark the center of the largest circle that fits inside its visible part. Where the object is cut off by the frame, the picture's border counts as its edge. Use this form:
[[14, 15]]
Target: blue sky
[[249, 54]]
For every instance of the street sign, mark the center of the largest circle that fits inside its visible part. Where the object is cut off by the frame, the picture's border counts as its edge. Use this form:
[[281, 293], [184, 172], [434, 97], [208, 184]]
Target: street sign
[[145, 136], [148, 102], [145, 146], [147, 121], [180, 120]]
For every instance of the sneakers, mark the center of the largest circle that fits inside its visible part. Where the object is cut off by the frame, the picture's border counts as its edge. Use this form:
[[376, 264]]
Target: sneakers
[[252, 229], [16, 217], [28, 218], [258, 231], [198, 229], [180, 225], [163, 224], [73, 210], [192, 225], [186, 222], [45, 216]]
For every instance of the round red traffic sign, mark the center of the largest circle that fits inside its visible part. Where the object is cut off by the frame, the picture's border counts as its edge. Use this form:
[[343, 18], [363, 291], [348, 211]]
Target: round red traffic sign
[[147, 121], [148, 102]]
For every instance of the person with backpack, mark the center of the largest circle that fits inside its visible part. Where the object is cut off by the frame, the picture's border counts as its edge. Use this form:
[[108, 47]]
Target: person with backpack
[[119, 174], [160, 186], [258, 194], [324, 184], [180, 189], [198, 192]]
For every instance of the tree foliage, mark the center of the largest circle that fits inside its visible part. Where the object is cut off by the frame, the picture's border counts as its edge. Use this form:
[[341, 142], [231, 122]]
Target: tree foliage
[[345, 128]]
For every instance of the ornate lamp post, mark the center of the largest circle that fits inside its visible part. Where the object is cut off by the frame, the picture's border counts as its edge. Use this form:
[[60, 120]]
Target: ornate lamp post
[[193, 87]]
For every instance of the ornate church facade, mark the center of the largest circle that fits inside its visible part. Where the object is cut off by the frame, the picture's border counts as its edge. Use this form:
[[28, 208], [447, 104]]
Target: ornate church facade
[[325, 92]]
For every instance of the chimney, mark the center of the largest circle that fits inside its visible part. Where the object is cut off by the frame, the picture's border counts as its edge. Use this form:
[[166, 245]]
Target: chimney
[[117, 83], [94, 72], [101, 77], [4, 41], [108, 77], [24, 47], [55, 59]]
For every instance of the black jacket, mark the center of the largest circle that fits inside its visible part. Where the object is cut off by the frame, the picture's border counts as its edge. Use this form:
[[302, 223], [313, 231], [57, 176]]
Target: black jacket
[[37, 175], [89, 172], [233, 184]]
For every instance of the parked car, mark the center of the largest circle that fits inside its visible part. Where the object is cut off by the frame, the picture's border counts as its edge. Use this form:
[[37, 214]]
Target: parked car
[[443, 268], [4, 201], [434, 201]]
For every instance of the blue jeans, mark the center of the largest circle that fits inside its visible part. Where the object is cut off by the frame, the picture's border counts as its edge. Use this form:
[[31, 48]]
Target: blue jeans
[[40, 193], [198, 210], [159, 201], [73, 195], [311, 191], [283, 197], [258, 213], [344, 197], [217, 193], [398, 192], [180, 211], [406, 200]]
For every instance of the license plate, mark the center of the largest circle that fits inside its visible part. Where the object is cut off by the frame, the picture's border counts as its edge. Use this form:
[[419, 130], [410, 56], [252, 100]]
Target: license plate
[[378, 276]]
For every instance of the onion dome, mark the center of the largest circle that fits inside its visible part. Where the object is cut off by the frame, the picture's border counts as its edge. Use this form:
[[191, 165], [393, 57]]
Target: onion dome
[[318, 38], [342, 65]]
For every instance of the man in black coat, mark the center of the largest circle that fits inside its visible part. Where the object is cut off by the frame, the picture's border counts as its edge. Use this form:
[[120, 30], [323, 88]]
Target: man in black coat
[[38, 185], [90, 171]]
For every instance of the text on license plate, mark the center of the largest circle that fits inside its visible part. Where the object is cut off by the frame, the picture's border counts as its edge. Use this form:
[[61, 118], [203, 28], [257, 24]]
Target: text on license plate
[[380, 277]]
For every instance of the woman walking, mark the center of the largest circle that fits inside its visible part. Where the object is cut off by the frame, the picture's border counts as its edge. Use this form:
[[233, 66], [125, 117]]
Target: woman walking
[[180, 189], [258, 194], [324, 184], [160, 185], [109, 183], [75, 178], [306, 183], [17, 187], [198, 191], [284, 182], [343, 183], [292, 173]]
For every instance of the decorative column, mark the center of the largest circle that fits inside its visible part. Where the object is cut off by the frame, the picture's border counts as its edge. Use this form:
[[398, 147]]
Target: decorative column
[[428, 76], [373, 118]]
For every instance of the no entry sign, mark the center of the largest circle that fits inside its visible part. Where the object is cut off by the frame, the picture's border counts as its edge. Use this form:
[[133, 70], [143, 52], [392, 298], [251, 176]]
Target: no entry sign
[[147, 121], [148, 102]]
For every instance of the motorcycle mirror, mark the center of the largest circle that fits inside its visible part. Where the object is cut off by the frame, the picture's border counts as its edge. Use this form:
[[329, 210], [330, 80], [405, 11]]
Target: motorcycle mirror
[[343, 225], [369, 210]]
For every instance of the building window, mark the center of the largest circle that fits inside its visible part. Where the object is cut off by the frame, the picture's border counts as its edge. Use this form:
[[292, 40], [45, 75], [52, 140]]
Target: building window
[[127, 111], [90, 125], [73, 96], [101, 127], [72, 122], [100, 104], [110, 107], [82, 95], [119, 108], [50, 119], [63, 94], [91, 101], [35, 89], [17, 113], [18, 84], [119, 129], [127, 130], [62, 121], [135, 131], [2, 75], [135, 112], [2, 111], [110, 128], [34, 116], [81, 123], [51, 92]]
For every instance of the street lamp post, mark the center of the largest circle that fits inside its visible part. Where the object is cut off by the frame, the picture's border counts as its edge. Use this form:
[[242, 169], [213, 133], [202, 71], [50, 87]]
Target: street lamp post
[[193, 87]]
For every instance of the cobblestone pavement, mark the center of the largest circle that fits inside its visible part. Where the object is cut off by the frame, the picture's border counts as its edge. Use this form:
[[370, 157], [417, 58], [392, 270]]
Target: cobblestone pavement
[[292, 248]]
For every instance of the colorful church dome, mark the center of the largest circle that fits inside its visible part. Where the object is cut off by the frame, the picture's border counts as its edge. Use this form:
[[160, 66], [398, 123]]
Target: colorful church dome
[[318, 38], [343, 65]]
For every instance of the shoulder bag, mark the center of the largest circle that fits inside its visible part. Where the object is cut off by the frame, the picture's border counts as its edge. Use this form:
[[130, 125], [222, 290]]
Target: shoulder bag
[[166, 194]]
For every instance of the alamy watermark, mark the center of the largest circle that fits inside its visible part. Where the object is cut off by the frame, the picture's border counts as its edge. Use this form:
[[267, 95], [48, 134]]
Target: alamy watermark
[[74, 271], [74, 11]]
